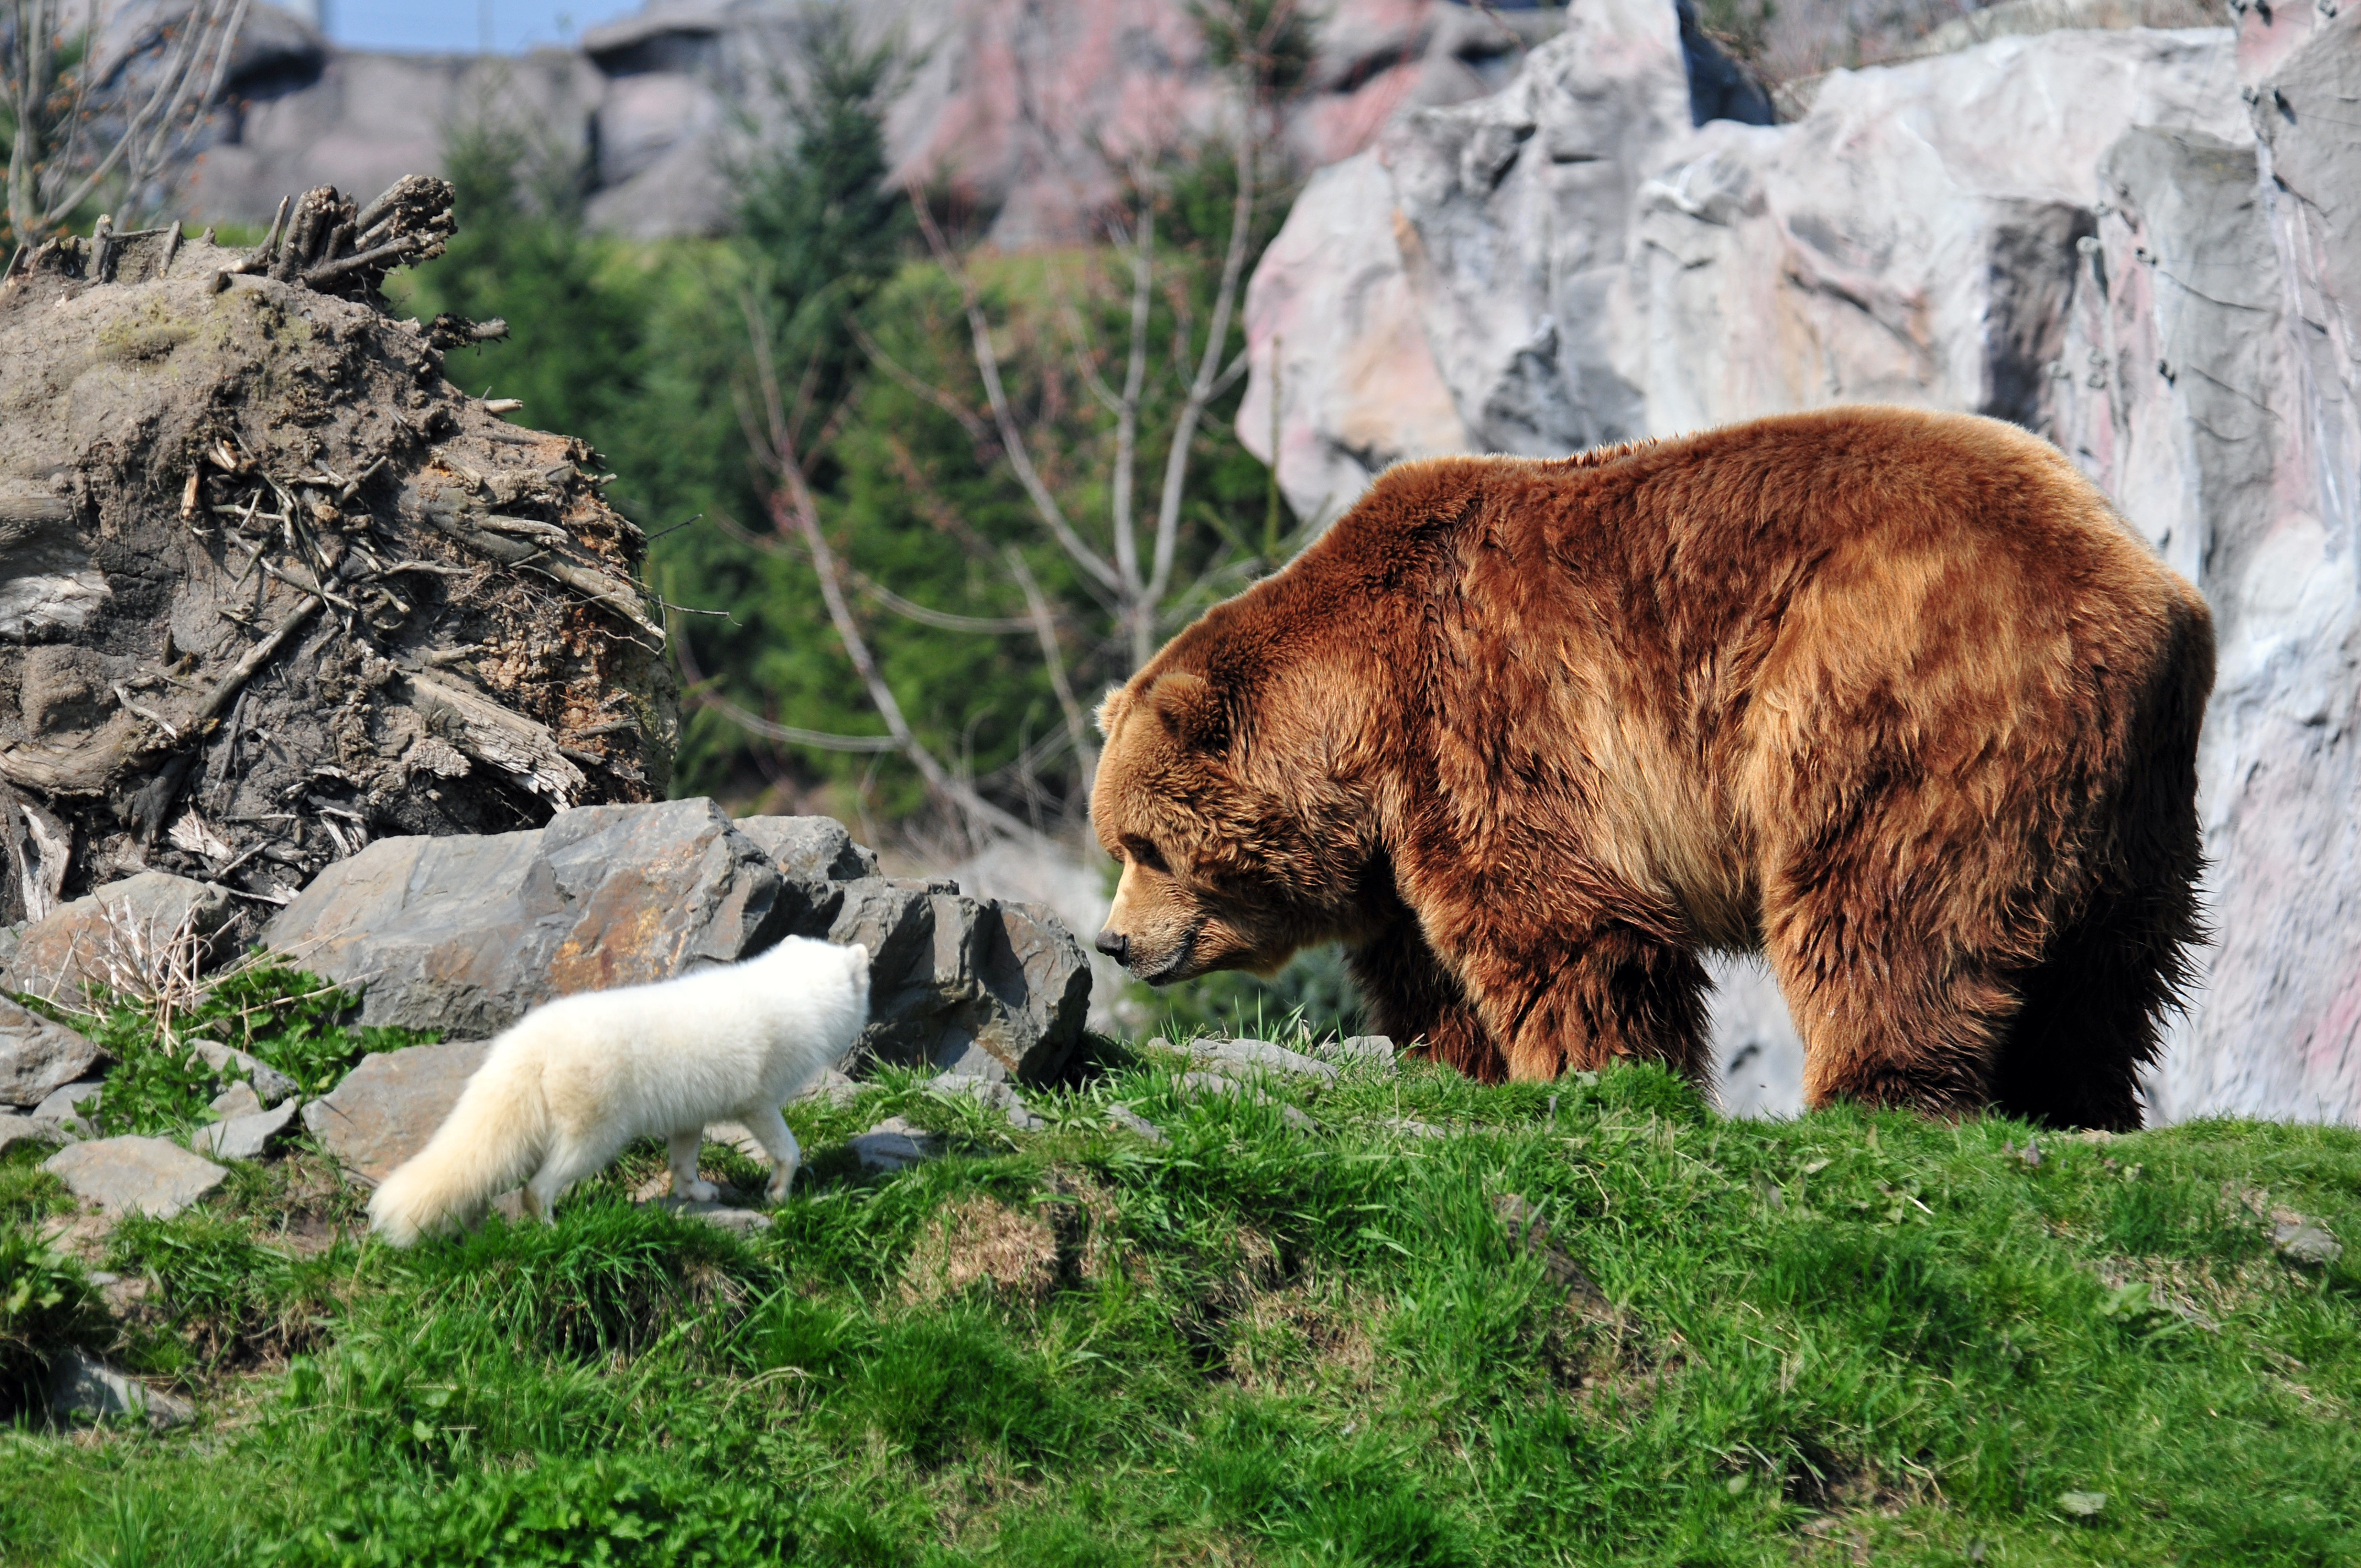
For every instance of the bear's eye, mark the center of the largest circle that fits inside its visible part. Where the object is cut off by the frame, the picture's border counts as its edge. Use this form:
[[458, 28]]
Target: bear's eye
[[1144, 853]]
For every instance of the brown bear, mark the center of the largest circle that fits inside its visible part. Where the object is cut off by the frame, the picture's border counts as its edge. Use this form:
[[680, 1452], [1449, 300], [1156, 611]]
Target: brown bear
[[1893, 697]]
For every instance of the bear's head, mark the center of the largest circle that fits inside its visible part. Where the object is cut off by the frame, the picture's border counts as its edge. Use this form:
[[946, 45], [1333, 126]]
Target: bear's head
[[1225, 862]]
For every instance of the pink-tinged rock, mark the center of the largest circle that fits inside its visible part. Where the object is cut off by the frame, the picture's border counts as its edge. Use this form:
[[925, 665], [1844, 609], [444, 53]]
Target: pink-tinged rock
[[135, 1175], [112, 934], [1357, 387], [388, 1107]]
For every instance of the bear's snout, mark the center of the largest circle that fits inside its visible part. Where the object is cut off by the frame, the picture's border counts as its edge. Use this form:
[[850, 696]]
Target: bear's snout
[[1116, 945]]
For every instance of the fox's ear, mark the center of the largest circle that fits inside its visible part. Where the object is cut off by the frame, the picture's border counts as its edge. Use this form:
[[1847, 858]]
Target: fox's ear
[[1191, 709], [857, 957]]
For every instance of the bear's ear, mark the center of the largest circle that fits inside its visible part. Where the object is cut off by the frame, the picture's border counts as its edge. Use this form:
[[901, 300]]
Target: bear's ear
[[1110, 712], [1191, 709]]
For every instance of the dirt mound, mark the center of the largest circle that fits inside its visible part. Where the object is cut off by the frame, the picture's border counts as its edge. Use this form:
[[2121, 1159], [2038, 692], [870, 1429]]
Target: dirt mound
[[271, 586]]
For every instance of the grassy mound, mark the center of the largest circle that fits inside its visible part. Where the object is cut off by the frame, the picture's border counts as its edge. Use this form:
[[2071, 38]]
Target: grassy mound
[[1841, 1339]]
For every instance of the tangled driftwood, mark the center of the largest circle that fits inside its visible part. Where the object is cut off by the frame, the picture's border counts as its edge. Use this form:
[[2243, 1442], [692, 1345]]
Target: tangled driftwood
[[270, 584]]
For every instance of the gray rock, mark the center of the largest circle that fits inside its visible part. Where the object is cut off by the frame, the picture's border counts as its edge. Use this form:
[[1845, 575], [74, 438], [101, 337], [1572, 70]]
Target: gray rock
[[62, 1106], [743, 1221], [995, 1095], [1363, 1050], [246, 1137], [388, 1107], [270, 1085], [810, 849], [1245, 1058], [2306, 1241], [238, 1100], [1409, 1127], [893, 1143], [96, 939], [833, 1088], [15, 1129], [1199, 1085], [134, 1175], [988, 991], [83, 1389], [465, 934], [38, 1057], [1132, 1122]]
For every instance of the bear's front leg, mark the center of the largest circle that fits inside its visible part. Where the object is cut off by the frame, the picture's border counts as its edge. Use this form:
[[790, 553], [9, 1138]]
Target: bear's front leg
[[1415, 998], [1583, 994]]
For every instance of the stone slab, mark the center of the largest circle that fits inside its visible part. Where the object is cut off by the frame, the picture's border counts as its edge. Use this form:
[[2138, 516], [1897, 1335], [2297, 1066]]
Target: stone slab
[[246, 1137], [38, 1057], [893, 1143], [82, 1389], [63, 1105], [1252, 1055], [388, 1107], [135, 1175], [1132, 1122]]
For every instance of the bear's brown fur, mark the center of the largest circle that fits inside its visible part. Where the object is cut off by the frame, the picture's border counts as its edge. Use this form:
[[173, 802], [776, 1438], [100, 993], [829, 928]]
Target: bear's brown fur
[[1893, 697]]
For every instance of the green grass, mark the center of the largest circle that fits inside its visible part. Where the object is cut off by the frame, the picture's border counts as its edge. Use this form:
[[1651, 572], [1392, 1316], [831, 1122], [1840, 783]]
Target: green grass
[[1845, 1338]]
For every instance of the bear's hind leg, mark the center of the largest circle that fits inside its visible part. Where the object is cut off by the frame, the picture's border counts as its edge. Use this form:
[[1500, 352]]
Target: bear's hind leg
[[1886, 1019], [2093, 1014]]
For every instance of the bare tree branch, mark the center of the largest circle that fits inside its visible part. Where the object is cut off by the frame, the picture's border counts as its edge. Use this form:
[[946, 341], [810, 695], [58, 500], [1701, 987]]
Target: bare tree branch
[[1012, 439], [1045, 628], [794, 509], [1134, 378], [1176, 463], [976, 428]]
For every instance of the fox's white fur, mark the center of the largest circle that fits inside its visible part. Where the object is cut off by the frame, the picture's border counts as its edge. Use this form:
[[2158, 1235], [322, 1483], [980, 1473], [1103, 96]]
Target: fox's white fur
[[566, 1086]]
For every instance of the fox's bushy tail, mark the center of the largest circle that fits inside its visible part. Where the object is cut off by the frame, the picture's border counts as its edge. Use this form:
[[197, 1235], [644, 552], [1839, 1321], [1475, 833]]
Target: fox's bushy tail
[[493, 1139]]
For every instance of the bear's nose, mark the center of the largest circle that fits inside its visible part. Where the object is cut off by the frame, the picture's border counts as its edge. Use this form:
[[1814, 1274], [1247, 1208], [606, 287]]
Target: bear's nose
[[1115, 945]]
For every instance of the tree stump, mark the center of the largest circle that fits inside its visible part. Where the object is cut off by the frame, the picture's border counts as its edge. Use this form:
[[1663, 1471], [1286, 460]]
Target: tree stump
[[271, 586]]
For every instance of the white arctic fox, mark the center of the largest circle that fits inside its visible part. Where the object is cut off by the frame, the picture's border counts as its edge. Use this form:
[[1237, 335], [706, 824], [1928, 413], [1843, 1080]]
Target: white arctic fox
[[567, 1085]]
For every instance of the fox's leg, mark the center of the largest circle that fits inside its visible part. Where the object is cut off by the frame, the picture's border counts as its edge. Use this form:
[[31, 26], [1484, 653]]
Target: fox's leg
[[771, 1128], [568, 1162], [684, 1148]]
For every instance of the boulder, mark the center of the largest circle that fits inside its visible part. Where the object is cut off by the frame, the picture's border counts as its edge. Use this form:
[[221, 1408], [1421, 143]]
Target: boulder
[[113, 936], [249, 1136], [1245, 1058], [388, 1107], [990, 990], [465, 934], [238, 1100], [81, 1388], [38, 1057], [810, 849], [135, 1175]]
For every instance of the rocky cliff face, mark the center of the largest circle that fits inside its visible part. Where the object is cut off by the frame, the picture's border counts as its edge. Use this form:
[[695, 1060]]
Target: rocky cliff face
[[1017, 104], [2143, 243]]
